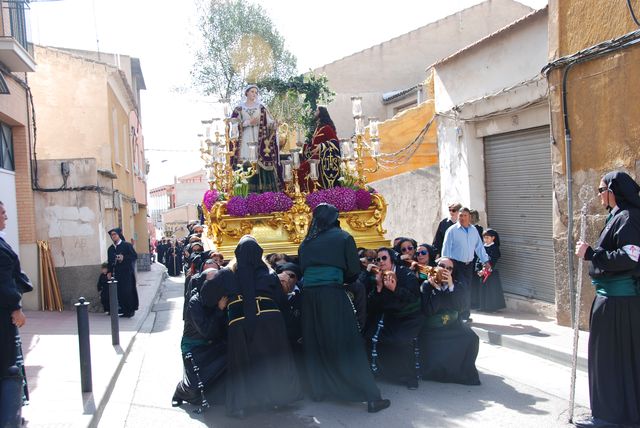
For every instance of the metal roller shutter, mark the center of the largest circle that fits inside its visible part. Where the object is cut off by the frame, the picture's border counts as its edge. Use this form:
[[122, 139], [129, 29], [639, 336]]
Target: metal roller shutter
[[519, 208]]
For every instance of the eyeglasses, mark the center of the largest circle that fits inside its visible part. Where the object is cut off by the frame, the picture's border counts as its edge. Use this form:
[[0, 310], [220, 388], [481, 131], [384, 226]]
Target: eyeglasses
[[381, 259], [443, 266], [370, 259], [405, 249], [422, 252], [602, 190]]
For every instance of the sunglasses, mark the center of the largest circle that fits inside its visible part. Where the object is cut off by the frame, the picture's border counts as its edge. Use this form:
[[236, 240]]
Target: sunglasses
[[370, 259], [405, 249], [381, 259], [443, 266], [291, 275], [602, 190], [422, 252], [453, 211]]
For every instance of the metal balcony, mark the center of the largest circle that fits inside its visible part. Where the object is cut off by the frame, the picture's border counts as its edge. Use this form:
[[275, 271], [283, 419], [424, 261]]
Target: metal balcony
[[16, 53]]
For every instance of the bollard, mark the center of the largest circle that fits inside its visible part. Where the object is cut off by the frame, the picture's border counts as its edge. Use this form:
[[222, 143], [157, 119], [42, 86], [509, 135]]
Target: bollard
[[85, 346], [113, 312]]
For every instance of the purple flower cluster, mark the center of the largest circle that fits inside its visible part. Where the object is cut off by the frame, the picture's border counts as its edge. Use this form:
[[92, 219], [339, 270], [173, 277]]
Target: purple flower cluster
[[259, 203], [363, 199], [343, 198], [237, 206], [210, 198]]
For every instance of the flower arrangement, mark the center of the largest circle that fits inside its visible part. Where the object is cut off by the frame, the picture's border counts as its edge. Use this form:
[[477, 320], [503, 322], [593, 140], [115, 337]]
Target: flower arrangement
[[237, 206], [363, 199], [258, 203], [240, 181], [211, 197]]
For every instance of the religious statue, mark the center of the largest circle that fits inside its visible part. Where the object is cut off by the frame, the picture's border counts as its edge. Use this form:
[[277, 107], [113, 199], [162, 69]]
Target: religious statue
[[325, 148], [255, 124]]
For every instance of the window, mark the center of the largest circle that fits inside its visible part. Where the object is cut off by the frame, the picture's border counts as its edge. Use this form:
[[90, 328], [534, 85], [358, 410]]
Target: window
[[127, 147], [6, 148]]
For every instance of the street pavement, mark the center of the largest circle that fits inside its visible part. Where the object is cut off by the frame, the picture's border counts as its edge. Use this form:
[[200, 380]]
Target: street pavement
[[518, 388], [52, 362]]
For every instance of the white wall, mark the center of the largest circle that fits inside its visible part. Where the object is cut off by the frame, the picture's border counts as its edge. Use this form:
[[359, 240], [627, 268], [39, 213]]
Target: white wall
[[485, 85]]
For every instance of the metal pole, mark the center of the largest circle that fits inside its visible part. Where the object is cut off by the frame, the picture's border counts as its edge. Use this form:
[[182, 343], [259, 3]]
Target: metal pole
[[586, 194], [85, 346], [113, 311]]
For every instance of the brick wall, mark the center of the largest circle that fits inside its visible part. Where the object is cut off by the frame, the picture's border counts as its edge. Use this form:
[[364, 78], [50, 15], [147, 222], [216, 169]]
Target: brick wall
[[24, 193]]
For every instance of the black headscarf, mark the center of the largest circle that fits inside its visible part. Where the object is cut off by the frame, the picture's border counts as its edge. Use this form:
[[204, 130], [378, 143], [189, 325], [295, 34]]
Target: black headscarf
[[496, 237], [290, 267], [250, 268], [393, 255], [624, 188], [325, 217], [118, 231]]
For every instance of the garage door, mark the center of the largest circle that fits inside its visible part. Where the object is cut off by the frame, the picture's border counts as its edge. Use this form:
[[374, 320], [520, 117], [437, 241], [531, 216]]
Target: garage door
[[519, 208]]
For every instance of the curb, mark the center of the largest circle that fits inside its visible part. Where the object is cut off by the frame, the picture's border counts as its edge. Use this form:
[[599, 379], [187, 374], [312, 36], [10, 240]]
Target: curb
[[513, 342], [97, 415]]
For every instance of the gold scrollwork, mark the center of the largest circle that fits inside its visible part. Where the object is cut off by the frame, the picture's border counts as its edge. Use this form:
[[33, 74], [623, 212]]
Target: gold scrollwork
[[295, 221], [357, 222]]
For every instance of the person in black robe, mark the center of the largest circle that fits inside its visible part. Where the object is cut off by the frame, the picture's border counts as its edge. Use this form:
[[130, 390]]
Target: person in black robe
[[448, 347], [13, 283], [614, 344], [395, 305], [261, 372], [490, 296], [204, 343], [122, 258], [103, 287], [173, 259], [334, 350]]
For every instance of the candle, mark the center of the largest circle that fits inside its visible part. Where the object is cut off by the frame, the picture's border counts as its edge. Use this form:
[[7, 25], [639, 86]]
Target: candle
[[345, 149], [295, 153], [288, 175], [253, 152], [313, 169], [373, 127]]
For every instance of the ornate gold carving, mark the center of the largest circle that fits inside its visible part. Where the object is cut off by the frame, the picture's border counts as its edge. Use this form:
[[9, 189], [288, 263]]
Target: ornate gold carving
[[358, 220], [295, 221]]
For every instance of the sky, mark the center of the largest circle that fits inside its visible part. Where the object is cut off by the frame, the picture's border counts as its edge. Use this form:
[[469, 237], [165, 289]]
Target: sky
[[163, 35]]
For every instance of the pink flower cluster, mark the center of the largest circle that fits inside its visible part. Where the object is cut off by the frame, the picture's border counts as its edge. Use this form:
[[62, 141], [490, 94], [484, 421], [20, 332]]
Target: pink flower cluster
[[363, 199], [343, 198], [210, 198], [259, 203]]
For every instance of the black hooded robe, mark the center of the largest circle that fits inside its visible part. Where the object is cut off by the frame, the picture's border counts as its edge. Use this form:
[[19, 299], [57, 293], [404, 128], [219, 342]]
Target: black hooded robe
[[614, 339], [124, 272], [335, 354], [261, 371]]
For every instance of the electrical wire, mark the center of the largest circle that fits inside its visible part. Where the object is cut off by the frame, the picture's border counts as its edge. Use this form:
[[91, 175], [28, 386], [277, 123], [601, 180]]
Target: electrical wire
[[633, 14]]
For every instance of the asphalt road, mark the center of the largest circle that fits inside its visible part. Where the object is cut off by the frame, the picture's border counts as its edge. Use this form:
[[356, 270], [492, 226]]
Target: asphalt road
[[518, 390]]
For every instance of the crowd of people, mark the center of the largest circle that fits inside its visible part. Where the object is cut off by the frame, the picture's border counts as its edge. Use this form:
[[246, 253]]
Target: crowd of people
[[262, 330]]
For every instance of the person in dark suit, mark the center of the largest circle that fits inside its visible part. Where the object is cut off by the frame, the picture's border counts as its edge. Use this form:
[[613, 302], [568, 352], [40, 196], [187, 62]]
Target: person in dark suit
[[13, 283], [438, 239]]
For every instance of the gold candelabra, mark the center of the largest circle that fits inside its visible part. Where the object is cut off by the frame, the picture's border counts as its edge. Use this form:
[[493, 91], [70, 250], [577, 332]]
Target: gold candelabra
[[353, 151], [217, 155]]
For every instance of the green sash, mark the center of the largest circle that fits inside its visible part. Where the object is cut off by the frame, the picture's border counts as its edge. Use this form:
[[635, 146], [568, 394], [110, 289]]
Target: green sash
[[622, 286], [315, 276]]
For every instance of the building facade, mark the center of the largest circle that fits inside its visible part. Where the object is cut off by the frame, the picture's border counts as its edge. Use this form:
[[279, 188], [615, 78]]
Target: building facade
[[398, 65], [91, 169], [17, 64], [603, 115]]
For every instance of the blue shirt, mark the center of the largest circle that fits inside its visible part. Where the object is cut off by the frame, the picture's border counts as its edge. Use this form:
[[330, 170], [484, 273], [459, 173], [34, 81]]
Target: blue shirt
[[460, 243]]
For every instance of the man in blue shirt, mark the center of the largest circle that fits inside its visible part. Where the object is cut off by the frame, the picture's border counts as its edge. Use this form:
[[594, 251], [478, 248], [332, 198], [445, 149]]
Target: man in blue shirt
[[461, 242]]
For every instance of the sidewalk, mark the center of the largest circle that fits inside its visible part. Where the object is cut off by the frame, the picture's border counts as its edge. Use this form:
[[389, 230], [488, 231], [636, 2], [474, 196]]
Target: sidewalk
[[533, 334], [50, 344]]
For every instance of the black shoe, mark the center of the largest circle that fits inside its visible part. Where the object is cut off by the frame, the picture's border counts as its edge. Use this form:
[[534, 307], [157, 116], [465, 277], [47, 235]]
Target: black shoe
[[594, 423], [377, 405]]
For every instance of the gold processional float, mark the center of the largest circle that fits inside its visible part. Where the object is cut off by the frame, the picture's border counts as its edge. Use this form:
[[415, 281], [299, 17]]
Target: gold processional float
[[283, 231]]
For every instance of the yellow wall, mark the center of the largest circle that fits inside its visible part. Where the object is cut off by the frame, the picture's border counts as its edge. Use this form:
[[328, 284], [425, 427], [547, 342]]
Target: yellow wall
[[70, 100], [604, 119]]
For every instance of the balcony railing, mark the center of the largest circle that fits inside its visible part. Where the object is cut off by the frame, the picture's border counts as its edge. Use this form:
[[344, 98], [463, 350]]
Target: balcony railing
[[14, 23], [16, 51]]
